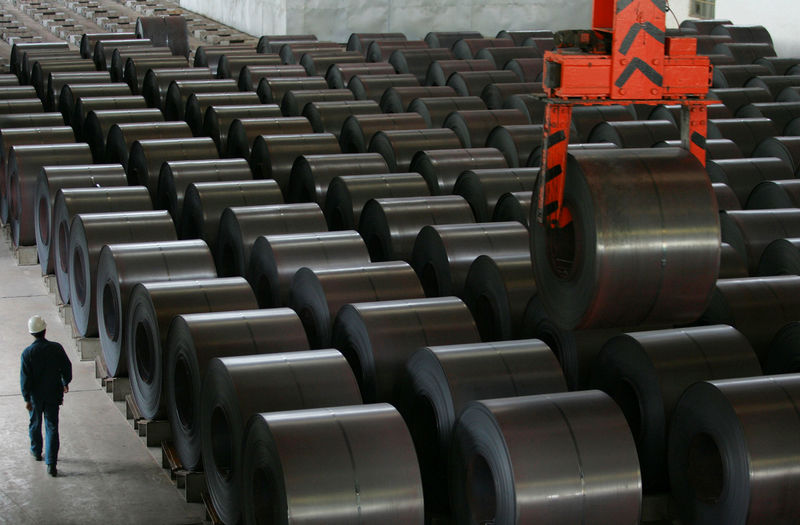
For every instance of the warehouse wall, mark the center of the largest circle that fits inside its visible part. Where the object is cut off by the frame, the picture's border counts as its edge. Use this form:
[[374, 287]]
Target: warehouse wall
[[336, 19], [779, 16]]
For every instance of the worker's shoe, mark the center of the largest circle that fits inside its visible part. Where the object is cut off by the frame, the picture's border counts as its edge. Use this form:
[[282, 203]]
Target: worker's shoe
[[51, 469], [37, 457]]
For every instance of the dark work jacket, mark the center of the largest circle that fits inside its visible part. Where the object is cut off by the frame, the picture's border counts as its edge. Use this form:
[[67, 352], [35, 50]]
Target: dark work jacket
[[45, 371]]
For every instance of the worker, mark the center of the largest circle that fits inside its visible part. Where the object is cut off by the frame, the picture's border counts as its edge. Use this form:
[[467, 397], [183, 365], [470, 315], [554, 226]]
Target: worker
[[45, 376]]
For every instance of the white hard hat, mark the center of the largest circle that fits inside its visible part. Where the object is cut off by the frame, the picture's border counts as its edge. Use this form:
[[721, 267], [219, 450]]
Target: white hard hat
[[36, 324]]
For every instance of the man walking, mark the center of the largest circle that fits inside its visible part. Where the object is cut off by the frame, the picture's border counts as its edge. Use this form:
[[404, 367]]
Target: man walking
[[45, 376]]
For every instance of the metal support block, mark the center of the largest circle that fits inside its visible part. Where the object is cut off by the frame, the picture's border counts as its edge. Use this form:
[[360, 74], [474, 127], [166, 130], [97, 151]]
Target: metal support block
[[26, 256], [118, 387], [50, 283], [194, 483], [65, 311], [154, 431], [88, 348]]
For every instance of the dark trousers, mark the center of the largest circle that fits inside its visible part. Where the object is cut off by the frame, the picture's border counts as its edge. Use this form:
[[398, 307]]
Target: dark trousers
[[50, 413]]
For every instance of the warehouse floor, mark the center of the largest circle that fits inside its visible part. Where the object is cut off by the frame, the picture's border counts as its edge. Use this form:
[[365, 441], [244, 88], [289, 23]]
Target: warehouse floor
[[106, 474]]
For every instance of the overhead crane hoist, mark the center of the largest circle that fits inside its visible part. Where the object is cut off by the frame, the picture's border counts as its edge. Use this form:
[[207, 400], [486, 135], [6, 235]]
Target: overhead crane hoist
[[626, 58]]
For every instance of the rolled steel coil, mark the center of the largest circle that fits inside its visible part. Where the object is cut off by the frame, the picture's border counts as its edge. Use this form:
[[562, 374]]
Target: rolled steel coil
[[736, 98], [747, 133], [156, 82], [137, 66], [290, 52], [774, 83], [51, 180], [514, 206], [357, 130], [785, 148], [273, 156], [446, 39], [587, 118], [360, 41], [295, 101], [390, 226], [88, 40], [784, 356], [527, 69], [398, 147], [240, 226], [151, 308], [436, 109], [195, 340], [265, 42], [441, 168], [468, 48], [576, 279], [243, 132], [318, 63], [372, 87], [728, 463], [86, 105], [179, 90], [758, 307], [98, 123], [329, 117], [198, 103], [30, 120], [472, 83], [397, 99], [516, 142], [780, 257], [204, 202], [274, 259], [372, 463], [381, 50], [70, 94], [441, 70], [744, 34], [338, 75], [29, 57], [17, 92], [347, 195], [250, 76], [497, 291], [750, 231], [533, 108], [417, 61], [88, 233], [778, 65], [311, 174], [43, 67], [535, 159], [496, 95], [440, 381], [635, 134], [775, 194], [744, 53], [538, 458], [500, 56], [120, 57], [646, 373], [780, 113], [18, 49], [520, 37], [716, 149], [726, 198], [731, 264], [672, 112], [146, 157], [104, 49], [443, 253], [218, 119], [168, 31], [317, 295], [377, 338], [702, 27], [122, 136], [176, 176], [473, 126], [24, 165], [272, 90], [121, 267], [743, 175], [230, 64], [208, 56], [736, 76]]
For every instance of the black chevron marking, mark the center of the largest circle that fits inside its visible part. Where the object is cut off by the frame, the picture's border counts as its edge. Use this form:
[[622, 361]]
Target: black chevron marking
[[640, 65], [649, 28]]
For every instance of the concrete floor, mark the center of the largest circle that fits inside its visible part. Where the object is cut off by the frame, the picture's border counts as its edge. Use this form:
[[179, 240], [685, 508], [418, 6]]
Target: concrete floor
[[106, 474]]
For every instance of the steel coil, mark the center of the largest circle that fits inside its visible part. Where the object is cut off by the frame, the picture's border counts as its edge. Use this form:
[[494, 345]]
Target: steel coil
[[218, 119], [519, 37], [436, 109], [30, 120], [194, 340], [736, 98], [273, 156], [780, 113], [575, 275], [743, 175], [360, 41], [295, 101], [780, 257], [104, 49], [347, 195], [472, 83], [274, 259], [204, 202], [175, 176], [70, 94], [441, 380], [399, 147], [147, 156], [230, 64], [198, 103], [473, 126], [179, 91], [24, 165], [747, 133], [381, 50], [318, 63], [357, 130], [468, 48], [533, 108], [744, 34], [397, 99], [775, 194], [441, 168], [98, 123], [390, 226], [88, 40], [328, 117], [785, 148], [86, 105], [290, 52], [243, 132], [750, 231], [527, 69], [371, 462], [744, 53], [266, 41], [441, 70], [535, 159], [537, 458], [702, 27], [446, 39], [119, 58], [672, 112], [168, 31], [716, 149], [417, 61], [726, 198], [500, 56], [121, 267], [240, 226], [156, 82], [272, 90], [646, 373], [317, 295], [736, 76], [88, 233], [43, 67], [208, 56], [151, 309], [774, 83], [497, 95], [758, 307], [634, 134], [311, 174], [51, 180], [338, 75], [372, 87], [728, 463], [482, 188], [778, 65], [514, 206], [19, 48], [137, 66], [731, 264], [121, 137], [250, 76]]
